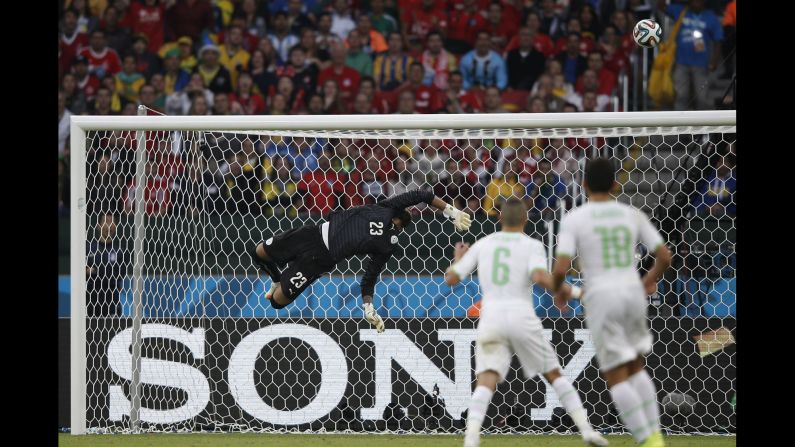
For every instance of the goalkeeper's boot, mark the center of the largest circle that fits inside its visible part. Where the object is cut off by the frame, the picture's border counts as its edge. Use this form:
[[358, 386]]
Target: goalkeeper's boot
[[594, 438], [654, 440], [269, 267]]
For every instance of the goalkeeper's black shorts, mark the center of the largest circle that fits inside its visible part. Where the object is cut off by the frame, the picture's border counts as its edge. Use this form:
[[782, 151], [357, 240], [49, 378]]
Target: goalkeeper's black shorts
[[305, 254]]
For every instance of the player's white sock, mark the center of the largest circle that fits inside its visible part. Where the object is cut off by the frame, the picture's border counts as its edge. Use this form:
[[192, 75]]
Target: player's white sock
[[630, 410], [570, 399], [478, 406], [644, 386]]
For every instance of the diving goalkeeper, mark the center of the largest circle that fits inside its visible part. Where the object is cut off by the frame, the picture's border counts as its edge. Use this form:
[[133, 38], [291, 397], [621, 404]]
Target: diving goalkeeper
[[313, 250]]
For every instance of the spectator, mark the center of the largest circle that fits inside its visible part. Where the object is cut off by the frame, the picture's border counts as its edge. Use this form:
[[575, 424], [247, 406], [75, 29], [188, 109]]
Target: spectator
[[403, 178], [147, 96], [102, 60], [129, 81], [189, 18], [332, 99], [347, 78], [64, 116], [500, 29], [715, 196], [730, 38], [381, 21], [243, 184], [377, 99], [264, 78], [572, 62], [561, 88], [115, 100], [321, 187], [87, 83], [146, 62], [250, 102], [71, 40], [607, 79], [280, 191], [460, 100], [372, 189], [307, 153], [541, 41], [223, 106], [390, 70], [148, 18], [281, 38], [418, 21], [428, 99], [187, 61], [586, 43], [86, 19], [174, 76], [232, 54], [551, 22], [157, 192], [525, 63], [492, 101], [181, 102], [74, 99], [363, 105], [372, 40], [102, 103], [158, 82], [590, 83], [536, 104], [483, 67], [105, 268], [214, 75], [562, 160], [589, 23], [117, 36], [545, 191], [314, 55], [438, 62], [249, 41], [614, 56], [296, 19], [341, 19], [302, 72], [499, 190], [465, 24], [406, 102], [475, 209], [254, 20], [357, 58], [314, 105], [454, 188], [325, 37], [697, 52], [278, 104]]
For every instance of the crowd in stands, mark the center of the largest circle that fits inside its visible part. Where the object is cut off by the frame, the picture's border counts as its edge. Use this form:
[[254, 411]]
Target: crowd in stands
[[251, 57]]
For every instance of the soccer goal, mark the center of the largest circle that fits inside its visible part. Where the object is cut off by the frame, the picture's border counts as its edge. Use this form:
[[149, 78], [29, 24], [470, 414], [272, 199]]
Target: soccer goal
[[170, 330]]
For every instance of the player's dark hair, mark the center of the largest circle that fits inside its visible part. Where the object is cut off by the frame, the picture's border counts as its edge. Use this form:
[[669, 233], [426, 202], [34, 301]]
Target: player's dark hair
[[600, 174], [514, 212], [404, 216]]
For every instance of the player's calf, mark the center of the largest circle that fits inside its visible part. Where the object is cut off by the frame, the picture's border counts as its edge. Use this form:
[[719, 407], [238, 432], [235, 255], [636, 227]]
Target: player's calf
[[571, 401]]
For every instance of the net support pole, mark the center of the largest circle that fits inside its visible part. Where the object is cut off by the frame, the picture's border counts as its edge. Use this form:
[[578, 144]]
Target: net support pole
[[138, 281], [77, 325]]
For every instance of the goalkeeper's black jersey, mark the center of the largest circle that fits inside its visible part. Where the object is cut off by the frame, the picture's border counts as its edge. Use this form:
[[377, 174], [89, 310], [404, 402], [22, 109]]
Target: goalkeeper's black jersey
[[368, 230]]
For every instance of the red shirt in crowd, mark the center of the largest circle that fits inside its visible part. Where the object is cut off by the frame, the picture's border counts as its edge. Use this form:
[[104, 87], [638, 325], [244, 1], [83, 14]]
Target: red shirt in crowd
[[69, 46], [541, 42], [252, 104], [464, 25], [189, 18], [103, 63], [148, 20], [427, 98], [347, 80], [89, 86], [319, 190], [607, 82], [420, 22], [586, 45]]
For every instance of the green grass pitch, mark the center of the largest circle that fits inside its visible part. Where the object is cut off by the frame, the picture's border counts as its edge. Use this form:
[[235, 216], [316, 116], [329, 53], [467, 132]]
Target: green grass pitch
[[300, 440]]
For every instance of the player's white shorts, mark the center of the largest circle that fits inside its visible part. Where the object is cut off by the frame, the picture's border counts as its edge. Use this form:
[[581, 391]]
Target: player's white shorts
[[508, 330], [617, 319]]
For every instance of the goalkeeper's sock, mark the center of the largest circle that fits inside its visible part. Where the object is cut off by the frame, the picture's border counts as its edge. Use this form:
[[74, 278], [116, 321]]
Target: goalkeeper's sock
[[571, 402], [481, 398], [644, 386], [630, 410]]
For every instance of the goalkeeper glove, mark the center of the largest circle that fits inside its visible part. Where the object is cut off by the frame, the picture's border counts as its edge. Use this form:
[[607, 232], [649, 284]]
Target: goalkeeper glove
[[460, 219], [372, 317]]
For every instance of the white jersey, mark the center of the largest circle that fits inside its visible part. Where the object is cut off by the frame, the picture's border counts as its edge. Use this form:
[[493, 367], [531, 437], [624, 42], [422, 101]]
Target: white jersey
[[605, 235], [504, 261]]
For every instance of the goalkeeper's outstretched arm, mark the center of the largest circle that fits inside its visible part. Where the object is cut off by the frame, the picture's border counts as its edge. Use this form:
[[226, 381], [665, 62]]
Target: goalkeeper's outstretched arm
[[460, 219]]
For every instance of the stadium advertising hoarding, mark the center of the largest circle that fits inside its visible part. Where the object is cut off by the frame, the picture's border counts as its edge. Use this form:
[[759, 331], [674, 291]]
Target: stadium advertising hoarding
[[211, 373]]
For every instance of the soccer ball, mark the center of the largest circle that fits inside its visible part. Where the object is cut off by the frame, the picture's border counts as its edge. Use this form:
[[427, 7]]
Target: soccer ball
[[647, 33]]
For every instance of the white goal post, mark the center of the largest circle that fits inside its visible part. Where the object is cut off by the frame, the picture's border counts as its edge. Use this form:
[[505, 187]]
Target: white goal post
[[197, 346]]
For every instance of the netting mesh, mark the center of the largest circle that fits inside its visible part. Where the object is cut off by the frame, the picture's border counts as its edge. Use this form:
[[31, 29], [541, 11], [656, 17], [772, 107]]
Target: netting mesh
[[216, 356]]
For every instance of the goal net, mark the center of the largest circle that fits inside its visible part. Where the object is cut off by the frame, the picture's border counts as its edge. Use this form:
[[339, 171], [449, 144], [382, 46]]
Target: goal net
[[170, 330]]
